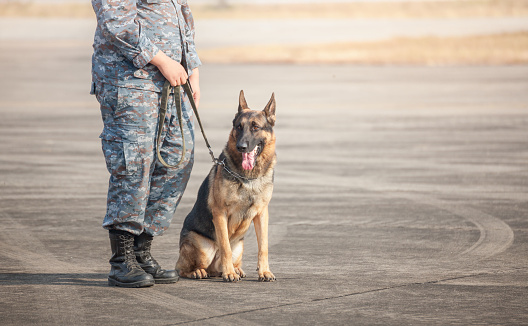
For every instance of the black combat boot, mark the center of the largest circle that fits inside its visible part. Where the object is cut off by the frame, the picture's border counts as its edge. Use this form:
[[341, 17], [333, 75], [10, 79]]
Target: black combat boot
[[125, 270], [142, 245]]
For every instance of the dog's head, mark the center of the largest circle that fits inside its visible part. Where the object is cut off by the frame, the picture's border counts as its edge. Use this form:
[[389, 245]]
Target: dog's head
[[253, 130]]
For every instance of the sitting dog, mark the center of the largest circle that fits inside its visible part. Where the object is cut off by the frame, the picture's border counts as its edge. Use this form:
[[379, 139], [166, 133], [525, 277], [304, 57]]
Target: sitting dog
[[235, 193]]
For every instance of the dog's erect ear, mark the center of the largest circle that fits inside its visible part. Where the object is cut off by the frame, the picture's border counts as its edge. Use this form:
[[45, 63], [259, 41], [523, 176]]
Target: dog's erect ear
[[242, 104], [269, 110]]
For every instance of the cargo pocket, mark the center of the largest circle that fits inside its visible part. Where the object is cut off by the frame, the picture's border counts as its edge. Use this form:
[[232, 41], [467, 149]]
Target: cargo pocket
[[135, 108], [122, 157]]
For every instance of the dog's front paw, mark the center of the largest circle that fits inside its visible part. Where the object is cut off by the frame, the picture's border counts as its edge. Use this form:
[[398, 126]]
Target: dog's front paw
[[266, 276], [231, 277], [240, 272], [199, 274]]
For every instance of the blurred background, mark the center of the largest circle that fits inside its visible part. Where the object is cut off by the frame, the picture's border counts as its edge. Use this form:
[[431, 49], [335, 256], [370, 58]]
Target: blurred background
[[475, 32]]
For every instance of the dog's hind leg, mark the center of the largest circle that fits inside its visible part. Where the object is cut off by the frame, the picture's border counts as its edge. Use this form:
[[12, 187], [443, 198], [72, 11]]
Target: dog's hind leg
[[196, 255]]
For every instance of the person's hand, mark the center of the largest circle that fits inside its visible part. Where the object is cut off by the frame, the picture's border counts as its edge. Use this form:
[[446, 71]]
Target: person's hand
[[172, 70], [194, 80]]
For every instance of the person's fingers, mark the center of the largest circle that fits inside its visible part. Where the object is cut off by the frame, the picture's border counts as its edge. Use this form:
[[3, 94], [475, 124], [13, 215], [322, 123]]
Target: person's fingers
[[177, 81], [182, 78], [177, 77]]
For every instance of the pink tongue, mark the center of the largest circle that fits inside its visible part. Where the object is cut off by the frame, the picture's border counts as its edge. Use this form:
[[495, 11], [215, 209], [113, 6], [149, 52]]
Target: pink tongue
[[248, 160]]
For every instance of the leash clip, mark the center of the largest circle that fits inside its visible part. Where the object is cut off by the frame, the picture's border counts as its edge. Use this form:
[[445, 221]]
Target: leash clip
[[217, 161]]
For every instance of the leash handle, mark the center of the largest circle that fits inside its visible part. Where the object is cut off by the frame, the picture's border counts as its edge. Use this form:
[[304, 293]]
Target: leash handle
[[163, 112], [161, 121]]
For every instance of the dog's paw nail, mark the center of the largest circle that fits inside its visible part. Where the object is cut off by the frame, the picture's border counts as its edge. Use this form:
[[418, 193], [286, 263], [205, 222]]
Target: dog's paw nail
[[231, 278], [267, 277]]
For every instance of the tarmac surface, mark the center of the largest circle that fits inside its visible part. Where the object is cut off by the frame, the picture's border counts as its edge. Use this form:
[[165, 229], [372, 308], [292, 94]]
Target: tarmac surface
[[401, 197]]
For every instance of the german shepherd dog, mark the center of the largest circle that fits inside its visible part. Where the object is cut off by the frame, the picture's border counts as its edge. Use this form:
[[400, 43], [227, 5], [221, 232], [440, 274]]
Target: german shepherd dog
[[235, 193]]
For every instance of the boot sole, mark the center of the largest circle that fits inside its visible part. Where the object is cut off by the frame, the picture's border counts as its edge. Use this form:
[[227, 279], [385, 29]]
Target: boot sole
[[140, 284], [166, 280]]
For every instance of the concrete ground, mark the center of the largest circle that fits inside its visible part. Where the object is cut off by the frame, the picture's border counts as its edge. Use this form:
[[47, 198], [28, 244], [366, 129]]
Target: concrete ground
[[401, 197]]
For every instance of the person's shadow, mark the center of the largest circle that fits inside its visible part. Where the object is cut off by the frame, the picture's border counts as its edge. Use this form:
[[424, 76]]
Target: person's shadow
[[87, 279]]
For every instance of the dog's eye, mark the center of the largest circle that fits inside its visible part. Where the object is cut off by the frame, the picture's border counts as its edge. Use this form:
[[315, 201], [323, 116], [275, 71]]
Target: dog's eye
[[255, 127], [239, 127]]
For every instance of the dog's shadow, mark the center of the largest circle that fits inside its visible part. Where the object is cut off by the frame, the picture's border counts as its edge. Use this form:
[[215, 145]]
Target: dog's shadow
[[219, 279], [79, 279], [84, 279]]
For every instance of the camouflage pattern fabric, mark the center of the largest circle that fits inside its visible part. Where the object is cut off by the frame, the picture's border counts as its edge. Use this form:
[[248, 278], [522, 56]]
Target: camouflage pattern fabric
[[142, 193], [130, 33]]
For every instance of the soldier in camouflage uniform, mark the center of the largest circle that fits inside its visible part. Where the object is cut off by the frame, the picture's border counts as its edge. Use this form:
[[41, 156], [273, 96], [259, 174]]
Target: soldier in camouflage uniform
[[139, 44]]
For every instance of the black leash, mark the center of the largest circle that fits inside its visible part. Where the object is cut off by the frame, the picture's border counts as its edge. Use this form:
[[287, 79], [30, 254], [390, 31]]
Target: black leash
[[163, 112]]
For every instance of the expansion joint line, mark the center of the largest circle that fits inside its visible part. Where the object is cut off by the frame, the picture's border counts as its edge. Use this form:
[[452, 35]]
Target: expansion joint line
[[346, 295]]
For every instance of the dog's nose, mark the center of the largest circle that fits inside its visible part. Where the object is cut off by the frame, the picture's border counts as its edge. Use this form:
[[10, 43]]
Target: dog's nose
[[242, 147]]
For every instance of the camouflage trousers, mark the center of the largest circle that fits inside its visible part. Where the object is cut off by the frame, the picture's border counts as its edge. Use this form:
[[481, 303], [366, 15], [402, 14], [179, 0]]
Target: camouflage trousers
[[142, 193]]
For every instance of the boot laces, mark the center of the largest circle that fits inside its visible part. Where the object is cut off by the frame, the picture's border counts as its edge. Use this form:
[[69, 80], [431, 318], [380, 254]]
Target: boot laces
[[130, 256], [145, 253]]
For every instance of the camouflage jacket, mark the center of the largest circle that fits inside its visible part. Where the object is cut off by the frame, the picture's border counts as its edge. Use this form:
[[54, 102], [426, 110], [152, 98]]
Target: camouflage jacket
[[131, 32]]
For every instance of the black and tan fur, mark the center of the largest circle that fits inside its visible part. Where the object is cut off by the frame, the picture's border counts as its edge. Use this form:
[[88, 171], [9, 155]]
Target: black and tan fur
[[212, 237]]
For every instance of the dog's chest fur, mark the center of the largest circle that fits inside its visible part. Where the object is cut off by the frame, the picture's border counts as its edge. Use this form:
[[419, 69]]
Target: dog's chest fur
[[242, 201], [247, 196]]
